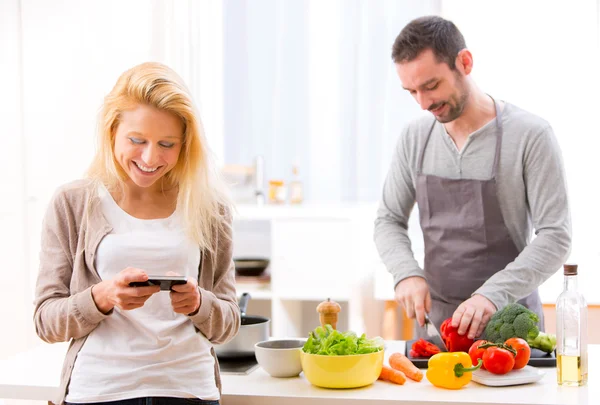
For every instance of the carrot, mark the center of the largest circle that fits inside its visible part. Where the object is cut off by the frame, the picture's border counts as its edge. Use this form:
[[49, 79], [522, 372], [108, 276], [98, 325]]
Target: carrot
[[395, 376], [400, 362]]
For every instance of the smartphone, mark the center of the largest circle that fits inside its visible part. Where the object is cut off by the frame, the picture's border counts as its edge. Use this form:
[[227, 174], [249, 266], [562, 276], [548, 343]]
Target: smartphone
[[165, 282]]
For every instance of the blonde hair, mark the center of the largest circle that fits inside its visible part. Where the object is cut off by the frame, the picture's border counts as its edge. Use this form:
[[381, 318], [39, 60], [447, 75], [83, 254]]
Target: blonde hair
[[202, 197]]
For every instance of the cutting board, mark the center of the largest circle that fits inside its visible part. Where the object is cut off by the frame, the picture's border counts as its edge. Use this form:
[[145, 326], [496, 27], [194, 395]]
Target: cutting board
[[526, 375], [538, 358]]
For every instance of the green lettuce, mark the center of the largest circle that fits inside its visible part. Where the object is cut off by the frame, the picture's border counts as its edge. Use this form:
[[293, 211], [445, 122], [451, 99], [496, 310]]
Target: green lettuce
[[330, 342]]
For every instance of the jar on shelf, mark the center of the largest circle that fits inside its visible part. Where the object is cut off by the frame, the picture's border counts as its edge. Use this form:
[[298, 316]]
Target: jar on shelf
[[277, 192], [296, 187]]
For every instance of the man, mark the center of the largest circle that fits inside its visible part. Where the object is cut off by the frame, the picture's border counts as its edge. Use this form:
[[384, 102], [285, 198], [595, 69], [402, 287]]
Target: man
[[482, 173]]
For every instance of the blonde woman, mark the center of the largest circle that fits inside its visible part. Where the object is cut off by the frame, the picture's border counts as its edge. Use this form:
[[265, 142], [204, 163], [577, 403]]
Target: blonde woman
[[152, 205]]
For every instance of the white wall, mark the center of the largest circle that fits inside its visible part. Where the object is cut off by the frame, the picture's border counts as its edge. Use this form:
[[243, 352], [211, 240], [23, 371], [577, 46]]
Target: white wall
[[311, 82], [15, 295]]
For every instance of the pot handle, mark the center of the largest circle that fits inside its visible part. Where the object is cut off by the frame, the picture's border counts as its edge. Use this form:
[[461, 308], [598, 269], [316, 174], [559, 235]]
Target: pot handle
[[244, 303]]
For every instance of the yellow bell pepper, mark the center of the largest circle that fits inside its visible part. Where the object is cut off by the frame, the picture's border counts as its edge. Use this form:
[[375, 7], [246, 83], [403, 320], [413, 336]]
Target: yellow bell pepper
[[450, 370]]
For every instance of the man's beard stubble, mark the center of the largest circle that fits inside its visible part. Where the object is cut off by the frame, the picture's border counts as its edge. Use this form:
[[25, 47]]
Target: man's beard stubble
[[456, 103]]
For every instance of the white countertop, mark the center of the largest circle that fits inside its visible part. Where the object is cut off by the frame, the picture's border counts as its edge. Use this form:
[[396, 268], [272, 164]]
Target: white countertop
[[34, 375]]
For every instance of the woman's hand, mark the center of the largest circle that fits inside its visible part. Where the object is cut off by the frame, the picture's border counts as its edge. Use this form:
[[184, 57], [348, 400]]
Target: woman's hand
[[116, 292], [185, 298]]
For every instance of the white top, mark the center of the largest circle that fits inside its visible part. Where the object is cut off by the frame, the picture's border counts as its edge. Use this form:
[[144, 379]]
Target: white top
[[149, 351]]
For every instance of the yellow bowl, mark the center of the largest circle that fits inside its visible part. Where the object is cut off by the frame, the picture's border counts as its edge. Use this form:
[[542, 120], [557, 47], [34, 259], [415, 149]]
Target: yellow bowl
[[356, 370]]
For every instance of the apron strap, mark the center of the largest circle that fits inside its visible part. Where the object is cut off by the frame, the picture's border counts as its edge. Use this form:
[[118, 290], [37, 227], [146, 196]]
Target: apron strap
[[498, 142], [498, 138], [422, 153]]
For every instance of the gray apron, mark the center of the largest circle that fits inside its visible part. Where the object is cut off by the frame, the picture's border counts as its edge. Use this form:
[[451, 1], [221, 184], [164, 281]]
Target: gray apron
[[466, 240]]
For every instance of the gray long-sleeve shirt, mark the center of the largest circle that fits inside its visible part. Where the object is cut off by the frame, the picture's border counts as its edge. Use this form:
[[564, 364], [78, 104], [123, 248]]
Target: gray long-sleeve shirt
[[532, 193]]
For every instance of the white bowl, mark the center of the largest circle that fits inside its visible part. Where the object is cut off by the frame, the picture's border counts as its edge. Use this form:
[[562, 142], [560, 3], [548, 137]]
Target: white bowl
[[280, 357]]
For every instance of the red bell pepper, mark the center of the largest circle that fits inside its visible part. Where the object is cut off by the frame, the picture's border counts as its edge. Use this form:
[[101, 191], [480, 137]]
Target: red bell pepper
[[454, 342], [423, 348]]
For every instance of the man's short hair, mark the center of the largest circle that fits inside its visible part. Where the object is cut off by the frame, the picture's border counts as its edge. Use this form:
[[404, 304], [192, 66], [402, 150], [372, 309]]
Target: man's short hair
[[429, 32]]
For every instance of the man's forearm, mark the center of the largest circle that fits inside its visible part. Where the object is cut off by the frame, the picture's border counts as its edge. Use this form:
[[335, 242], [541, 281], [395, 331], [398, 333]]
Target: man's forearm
[[536, 263]]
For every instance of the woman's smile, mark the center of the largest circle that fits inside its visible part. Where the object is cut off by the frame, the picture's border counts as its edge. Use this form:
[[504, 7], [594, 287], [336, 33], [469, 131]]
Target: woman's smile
[[146, 170]]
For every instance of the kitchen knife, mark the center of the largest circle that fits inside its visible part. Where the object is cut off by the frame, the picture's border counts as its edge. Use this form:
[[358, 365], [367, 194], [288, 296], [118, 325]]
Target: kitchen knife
[[433, 335]]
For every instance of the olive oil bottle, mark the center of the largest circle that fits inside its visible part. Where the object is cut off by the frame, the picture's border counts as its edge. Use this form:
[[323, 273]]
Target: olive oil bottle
[[571, 332]]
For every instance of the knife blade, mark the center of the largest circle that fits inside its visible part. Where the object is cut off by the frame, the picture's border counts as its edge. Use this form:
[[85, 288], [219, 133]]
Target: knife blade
[[433, 335]]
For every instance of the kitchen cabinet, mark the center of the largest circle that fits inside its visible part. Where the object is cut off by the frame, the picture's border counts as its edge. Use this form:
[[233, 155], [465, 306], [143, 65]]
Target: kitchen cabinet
[[315, 253]]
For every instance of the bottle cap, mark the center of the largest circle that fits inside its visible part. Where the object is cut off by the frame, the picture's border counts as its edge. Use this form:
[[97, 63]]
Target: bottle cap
[[570, 269]]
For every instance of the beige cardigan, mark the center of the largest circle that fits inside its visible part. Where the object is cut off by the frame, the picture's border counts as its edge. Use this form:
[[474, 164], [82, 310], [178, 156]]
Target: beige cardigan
[[64, 307]]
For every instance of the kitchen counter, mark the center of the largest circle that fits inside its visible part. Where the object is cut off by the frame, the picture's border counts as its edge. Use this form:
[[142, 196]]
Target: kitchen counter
[[34, 375]]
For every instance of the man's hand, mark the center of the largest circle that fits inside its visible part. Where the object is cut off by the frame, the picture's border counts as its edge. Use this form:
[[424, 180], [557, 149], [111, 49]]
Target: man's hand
[[185, 298], [473, 315], [413, 294]]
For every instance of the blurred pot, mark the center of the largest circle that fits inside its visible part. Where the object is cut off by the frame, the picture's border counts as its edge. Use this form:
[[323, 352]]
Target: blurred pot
[[250, 267], [253, 329]]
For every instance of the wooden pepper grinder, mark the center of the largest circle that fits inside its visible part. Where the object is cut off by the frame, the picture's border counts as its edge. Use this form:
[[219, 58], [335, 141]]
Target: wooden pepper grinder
[[328, 312]]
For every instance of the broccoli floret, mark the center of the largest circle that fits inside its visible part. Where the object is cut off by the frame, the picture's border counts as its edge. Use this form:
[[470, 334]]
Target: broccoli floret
[[509, 315], [507, 331], [492, 330], [515, 320], [526, 326]]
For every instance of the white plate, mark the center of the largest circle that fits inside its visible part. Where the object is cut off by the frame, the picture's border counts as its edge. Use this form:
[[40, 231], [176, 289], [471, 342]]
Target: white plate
[[526, 375]]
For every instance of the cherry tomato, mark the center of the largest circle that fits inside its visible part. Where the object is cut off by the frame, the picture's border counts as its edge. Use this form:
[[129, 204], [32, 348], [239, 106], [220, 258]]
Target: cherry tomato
[[475, 353], [523, 351], [498, 360]]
